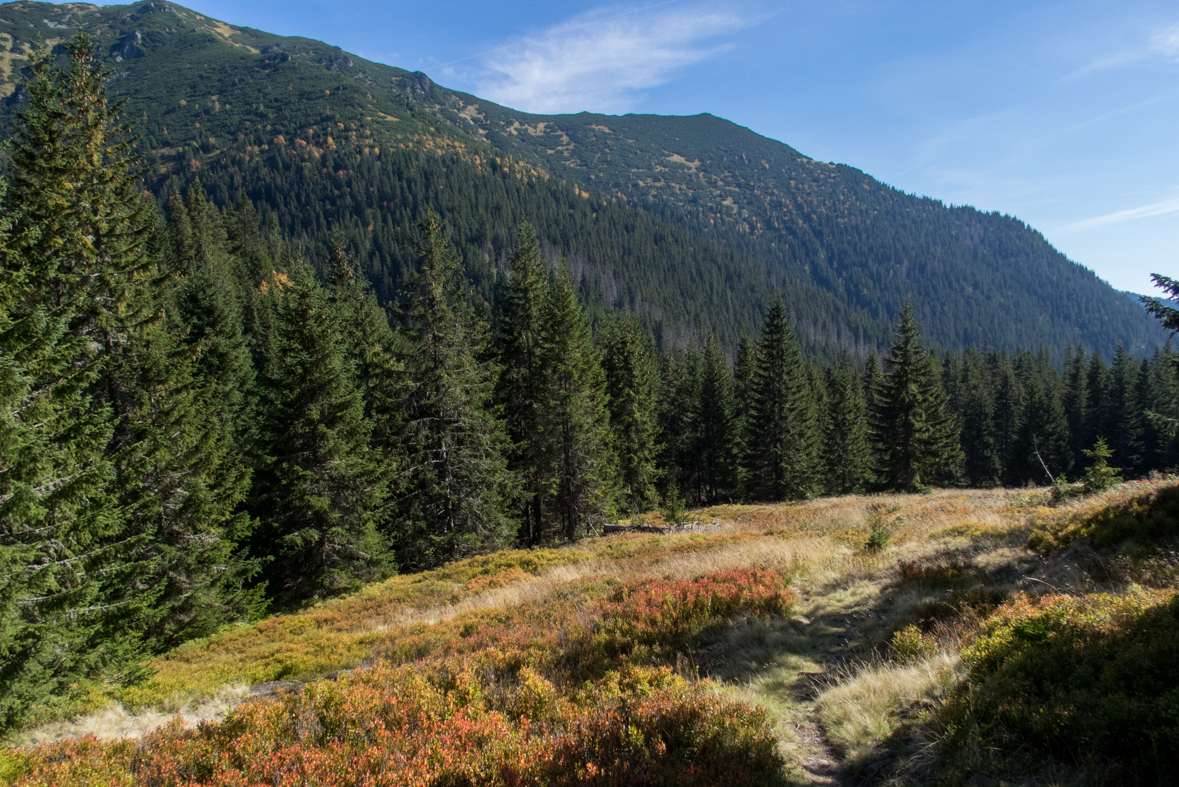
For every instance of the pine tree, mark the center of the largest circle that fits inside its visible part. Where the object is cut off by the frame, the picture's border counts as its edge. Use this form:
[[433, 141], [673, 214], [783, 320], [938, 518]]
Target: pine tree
[[847, 452], [981, 465], [1009, 405], [915, 434], [59, 525], [715, 418], [1162, 409], [520, 338], [1043, 434], [628, 361], [76, 592], [320, 489], [783, 459], [1097, 383], [871, 380], [371, 350], [1123, 416], [679, 385], [744, 368], [456, 483], [575, 416], [1075, 402]]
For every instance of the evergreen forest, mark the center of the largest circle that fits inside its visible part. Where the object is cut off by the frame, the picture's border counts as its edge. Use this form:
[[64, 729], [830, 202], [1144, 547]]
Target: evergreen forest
[[204, 418], [693, 224]]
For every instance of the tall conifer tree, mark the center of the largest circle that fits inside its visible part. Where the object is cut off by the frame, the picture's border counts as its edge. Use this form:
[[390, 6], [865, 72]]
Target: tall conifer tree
[[1123, 416], [456, 483], [847, 452], [520, 335], [320, 491], [783, 433], [628, 361], [82, 601], [575, 416], [981, 465], [1075, 401], [716, 423], [915, 434]]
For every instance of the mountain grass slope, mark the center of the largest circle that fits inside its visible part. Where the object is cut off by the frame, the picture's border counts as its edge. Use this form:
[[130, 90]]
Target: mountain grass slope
[[692, 222], [994, 640]]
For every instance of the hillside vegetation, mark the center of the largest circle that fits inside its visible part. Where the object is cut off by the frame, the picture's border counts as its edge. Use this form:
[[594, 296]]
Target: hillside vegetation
[[693, 223], [770, 644]]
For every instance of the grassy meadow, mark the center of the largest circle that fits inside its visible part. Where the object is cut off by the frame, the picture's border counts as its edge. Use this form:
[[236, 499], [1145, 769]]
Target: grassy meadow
[[960, 636]]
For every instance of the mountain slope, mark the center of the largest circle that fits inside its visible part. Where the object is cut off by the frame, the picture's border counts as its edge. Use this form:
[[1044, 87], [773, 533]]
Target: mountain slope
[[693, 222]]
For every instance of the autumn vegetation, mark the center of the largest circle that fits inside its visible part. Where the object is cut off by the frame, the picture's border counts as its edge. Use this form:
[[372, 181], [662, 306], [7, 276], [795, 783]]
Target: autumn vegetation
[[258, 529]]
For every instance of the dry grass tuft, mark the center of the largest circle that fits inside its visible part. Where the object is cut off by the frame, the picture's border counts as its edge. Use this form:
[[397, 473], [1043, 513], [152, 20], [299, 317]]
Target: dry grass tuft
[[116, 722], [862, 710]]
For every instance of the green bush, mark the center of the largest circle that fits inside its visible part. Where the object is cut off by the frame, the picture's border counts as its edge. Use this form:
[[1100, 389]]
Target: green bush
[[910, 644], [1093, 680]]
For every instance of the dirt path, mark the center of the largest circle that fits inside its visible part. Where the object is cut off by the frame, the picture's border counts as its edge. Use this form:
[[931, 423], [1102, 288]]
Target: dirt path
[[821, 767]]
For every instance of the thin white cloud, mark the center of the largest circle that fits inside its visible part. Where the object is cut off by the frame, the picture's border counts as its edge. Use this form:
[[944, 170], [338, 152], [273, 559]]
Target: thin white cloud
[[1164, 45], [604, 60], [1164, 208]]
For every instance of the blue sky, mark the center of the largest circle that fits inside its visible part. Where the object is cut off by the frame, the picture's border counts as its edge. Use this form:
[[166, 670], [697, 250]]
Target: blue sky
[[1064, 114]]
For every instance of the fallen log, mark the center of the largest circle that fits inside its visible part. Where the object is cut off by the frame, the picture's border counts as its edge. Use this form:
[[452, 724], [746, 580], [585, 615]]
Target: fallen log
[[614, 530]]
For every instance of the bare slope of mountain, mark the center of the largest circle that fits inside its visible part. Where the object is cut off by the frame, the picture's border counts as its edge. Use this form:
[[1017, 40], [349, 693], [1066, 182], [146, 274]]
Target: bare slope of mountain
[[693, 222]]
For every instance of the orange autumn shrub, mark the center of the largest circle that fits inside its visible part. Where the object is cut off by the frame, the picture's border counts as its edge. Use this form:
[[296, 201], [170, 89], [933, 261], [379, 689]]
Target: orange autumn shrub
[[560, 692], [394, 725]]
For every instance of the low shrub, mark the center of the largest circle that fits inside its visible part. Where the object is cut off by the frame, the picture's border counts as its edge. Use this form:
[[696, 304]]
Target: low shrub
[[912, 644], [1091, 679], [949, 574], [575, 690], [397, 725]]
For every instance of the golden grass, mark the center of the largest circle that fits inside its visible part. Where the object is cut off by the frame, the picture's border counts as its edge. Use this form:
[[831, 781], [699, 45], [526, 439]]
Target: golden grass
[[863, 708], [115, 721]]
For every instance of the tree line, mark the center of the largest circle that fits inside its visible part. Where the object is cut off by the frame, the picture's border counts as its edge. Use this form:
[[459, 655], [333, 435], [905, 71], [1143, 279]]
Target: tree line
[[197, 426]]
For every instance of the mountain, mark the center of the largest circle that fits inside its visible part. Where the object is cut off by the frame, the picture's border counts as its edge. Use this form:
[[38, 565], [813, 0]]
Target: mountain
[[694, 223]]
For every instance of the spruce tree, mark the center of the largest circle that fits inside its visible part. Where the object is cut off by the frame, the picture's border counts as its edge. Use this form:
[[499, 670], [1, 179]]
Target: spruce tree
[[371, 349], [1075, 402], [981, 464], [915, 434], [59, 524], [1123, 416], [456, 484], [679, 384], [574, 416], [847, 453], [1162, 409], [520, 337], [744, 366], [1042, 444], [783, 460], [1097, 383], [628, 361], [320, 489], [714, 412], [1009, 404], [76, 595]]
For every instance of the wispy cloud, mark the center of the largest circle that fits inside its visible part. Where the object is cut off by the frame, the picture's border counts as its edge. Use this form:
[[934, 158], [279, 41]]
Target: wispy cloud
[[1164, 208], [604, 60], [1164, 44]]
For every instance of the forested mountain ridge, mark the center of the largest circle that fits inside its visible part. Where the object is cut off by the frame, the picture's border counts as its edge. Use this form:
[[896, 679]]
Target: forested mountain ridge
[[692, 222]]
